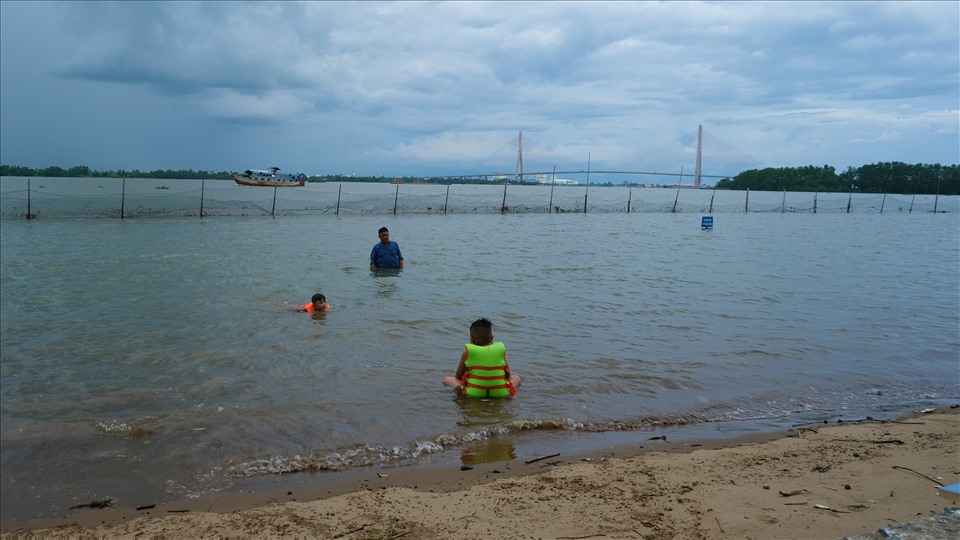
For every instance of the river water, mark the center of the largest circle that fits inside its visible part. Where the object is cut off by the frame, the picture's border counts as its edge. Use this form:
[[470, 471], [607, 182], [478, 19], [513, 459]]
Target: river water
[[151, 360]]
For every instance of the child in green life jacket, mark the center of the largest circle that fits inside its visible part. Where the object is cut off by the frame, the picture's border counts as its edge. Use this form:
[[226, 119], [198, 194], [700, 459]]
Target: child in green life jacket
[[483, 371]]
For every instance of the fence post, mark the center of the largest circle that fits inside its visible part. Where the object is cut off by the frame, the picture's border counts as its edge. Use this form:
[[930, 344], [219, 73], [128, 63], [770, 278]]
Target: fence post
[[445, 199], [395, 197], [882, 201], [503, 203], [937, 198], [273, 207], [746, 203], [552, 183], [911, 203], [587, 190], [29, 214], [339, 189], [849, 200], [203, 183], [814, 202], [712, 195], [629, 197]]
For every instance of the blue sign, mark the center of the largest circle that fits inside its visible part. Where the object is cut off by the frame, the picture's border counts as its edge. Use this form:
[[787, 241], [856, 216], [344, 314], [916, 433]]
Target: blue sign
[[706, 223]]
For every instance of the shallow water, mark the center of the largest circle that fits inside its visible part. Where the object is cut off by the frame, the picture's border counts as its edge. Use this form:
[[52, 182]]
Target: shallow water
[[156, 359], [54, 198]]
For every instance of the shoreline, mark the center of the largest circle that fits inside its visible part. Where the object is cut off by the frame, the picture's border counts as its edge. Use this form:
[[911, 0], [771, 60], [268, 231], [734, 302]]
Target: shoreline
[[822, 481]]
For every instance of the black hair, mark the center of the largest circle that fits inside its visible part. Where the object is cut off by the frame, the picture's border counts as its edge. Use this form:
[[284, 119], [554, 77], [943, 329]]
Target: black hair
[[382, 229], [318, 298], [481, 331]]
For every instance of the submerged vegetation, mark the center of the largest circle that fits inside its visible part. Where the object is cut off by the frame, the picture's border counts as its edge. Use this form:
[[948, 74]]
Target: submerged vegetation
[[890, 177]]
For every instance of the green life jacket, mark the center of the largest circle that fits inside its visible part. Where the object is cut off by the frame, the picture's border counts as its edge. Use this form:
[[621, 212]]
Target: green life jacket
[[487, 372]]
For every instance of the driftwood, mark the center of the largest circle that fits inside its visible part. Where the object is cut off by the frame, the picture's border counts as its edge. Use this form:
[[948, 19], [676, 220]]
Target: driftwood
[[541, 457], [939, 483], [824, 507], [107, 503], [358, 529], [873, 441]]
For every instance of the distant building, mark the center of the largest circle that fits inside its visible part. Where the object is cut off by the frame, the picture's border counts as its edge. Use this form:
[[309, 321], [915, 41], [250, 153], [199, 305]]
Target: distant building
[[558, 181]]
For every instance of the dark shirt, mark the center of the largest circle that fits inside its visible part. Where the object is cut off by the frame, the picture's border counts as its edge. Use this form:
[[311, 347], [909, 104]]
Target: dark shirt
[[386, 255]]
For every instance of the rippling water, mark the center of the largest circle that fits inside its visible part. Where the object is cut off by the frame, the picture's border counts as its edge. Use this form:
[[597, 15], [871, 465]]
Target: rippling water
[[151, 360]]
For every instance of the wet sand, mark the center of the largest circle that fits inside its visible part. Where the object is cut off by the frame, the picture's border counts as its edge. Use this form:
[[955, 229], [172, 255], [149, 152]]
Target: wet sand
[[820, 481]]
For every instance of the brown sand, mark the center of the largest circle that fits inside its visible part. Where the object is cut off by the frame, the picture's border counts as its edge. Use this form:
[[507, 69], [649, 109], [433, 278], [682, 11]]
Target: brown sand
[[825, 482]]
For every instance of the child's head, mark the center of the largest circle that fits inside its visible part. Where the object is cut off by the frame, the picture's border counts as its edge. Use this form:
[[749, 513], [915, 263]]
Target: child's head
[[481, 332], [318, 300]]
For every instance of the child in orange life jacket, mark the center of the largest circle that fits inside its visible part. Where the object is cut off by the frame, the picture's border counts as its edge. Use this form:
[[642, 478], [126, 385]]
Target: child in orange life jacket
[[483, 371], [318, 303]]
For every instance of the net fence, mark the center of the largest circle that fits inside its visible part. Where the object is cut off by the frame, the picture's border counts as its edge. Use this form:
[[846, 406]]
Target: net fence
[[144, 198]]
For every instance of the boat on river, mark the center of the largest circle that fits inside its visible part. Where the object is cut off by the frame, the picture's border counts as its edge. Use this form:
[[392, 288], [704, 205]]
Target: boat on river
[[271, 177]]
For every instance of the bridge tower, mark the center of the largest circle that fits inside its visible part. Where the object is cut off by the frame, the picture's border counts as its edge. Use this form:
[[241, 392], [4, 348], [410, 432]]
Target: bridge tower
[[519, 173]]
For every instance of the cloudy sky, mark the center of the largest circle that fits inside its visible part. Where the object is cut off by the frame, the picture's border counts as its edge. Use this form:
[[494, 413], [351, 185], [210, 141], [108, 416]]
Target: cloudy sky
[[438, 88]]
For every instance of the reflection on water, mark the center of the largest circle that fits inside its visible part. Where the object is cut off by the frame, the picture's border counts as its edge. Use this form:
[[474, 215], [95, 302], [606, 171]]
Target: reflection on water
[[483, 412], [386, 279], [477, 414], [490, 450]]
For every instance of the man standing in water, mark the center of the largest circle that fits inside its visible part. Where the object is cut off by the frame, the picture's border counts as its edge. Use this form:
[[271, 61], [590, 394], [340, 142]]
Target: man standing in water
[[385, 254]]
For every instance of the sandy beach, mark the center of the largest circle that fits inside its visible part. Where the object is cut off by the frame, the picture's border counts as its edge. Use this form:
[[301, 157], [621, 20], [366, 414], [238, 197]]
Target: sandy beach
[[827, 481]]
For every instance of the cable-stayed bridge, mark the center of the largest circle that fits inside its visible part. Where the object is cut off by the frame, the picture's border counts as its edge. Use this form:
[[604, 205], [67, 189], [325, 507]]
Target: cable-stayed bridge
[[681, 158]]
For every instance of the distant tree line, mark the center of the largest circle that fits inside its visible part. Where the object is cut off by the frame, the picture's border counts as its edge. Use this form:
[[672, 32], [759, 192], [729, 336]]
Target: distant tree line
[[893, 177], [82, 171]]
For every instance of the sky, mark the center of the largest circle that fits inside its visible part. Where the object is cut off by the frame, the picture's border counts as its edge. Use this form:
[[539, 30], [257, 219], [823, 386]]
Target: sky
[[447, 88]]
